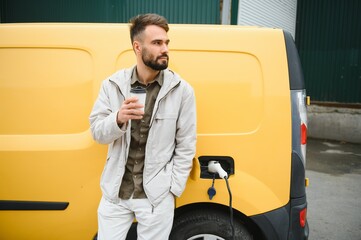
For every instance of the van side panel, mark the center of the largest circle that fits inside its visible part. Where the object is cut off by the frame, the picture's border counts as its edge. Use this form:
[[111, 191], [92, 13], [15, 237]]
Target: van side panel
[[50, 76]]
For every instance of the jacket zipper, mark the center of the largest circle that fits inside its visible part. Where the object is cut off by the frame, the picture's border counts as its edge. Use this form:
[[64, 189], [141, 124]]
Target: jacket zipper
[[151, 123]]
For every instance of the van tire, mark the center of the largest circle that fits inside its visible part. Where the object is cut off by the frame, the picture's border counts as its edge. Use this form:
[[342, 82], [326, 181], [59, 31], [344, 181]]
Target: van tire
[[202, 222]]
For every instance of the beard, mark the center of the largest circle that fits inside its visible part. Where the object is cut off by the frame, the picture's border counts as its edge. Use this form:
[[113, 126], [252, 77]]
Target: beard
[[152, 62]]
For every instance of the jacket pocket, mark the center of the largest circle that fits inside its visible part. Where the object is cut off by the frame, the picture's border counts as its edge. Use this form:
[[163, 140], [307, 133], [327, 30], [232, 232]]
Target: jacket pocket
[[164, 130], [159, 183], [111, 176]]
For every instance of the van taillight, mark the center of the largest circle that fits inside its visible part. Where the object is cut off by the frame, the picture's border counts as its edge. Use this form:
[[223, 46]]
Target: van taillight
[[303, 217], [303, 134]]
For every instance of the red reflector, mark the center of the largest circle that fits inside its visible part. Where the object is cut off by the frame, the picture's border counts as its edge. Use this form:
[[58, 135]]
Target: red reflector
[[303, 134], [303, 217]]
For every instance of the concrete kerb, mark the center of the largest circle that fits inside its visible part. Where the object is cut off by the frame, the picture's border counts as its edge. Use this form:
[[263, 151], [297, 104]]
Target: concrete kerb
[[334, 123]]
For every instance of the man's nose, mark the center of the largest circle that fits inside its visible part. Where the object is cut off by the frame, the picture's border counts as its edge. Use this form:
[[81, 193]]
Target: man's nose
[[164, 48]]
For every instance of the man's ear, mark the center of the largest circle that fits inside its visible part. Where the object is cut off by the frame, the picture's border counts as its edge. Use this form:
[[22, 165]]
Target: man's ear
[[137, 47]]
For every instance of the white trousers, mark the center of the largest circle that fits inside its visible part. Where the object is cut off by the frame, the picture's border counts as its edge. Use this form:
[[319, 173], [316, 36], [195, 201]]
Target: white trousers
[[114, 220]]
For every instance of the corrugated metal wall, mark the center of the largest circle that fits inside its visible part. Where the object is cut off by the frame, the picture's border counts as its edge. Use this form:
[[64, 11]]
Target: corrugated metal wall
[[185, 11], [268, 13], [328, 38]]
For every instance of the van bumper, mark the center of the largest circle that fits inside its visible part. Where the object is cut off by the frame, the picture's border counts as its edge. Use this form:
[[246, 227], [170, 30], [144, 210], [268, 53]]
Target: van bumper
[[284, 223]]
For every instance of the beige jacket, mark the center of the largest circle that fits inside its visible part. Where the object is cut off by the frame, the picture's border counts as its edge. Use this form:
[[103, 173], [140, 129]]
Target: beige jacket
[[171, 141]]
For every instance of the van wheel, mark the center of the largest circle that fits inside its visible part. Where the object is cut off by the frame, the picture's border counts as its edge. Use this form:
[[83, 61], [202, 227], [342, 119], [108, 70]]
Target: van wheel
[[207, 225]]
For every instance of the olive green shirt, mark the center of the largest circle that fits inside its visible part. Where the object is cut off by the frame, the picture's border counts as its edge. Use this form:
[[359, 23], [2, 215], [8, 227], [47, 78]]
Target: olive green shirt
[[132, 182]]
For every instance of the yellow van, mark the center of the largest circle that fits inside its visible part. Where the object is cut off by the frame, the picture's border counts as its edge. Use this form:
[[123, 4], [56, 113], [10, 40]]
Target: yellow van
[[251, 119]]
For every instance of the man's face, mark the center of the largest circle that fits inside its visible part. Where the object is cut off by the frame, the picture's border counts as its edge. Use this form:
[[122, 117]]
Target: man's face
[[155, 48]]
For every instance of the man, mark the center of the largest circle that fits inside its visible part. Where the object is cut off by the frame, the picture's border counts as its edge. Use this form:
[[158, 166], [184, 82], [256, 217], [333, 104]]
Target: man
[[150, 152]]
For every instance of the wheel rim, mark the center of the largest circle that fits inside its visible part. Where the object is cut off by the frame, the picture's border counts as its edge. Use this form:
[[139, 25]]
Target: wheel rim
[[205, 237]]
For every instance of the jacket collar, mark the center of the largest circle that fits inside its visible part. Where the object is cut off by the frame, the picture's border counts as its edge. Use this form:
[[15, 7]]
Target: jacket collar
[[159, 78], [123, 80]]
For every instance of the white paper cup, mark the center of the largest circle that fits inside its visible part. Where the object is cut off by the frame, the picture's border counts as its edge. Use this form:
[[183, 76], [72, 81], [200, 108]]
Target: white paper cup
[[140, 93]]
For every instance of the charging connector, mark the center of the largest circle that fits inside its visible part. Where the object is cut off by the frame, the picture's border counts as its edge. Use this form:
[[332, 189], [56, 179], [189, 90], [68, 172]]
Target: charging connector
[[215, 167]]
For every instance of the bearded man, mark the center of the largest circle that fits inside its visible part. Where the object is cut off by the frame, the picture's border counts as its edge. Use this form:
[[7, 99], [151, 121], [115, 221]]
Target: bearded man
[[150, 152]]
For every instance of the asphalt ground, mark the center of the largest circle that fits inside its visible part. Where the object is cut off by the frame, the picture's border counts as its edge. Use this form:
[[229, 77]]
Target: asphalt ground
[[334, 191]]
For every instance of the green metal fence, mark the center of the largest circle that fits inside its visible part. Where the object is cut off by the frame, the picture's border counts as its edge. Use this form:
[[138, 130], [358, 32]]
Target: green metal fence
[[118, 11], [328, 37]]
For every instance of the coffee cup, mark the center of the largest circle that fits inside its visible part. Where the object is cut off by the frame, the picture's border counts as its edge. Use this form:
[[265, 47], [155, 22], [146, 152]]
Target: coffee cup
[[140, 93]]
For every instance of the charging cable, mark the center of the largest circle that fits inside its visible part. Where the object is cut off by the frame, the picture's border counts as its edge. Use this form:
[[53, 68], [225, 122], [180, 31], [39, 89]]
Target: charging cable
[[230, 208], [215, 167]]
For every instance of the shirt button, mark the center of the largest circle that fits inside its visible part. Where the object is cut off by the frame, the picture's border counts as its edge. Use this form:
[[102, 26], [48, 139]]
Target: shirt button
[[135, 176], [136, 162], [141, 136]]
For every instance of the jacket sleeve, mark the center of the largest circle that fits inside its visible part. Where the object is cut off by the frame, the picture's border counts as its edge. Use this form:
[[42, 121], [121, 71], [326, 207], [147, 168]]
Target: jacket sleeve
[[185, 142], [103, 121]]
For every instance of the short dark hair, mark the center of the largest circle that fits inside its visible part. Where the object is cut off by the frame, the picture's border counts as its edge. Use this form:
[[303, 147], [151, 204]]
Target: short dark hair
[[140, 22]]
